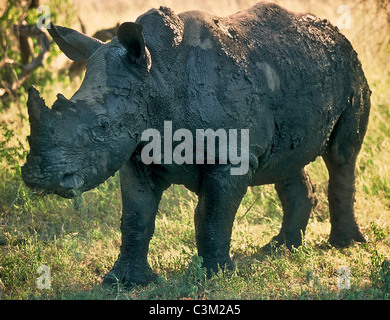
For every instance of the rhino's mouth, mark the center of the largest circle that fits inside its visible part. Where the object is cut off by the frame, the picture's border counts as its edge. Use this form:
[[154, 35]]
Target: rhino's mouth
[[66, 184], [71, 181], [71, 185]]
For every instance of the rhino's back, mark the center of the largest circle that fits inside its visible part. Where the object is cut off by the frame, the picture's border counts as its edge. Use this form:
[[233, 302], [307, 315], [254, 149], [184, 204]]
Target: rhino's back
[[287, 77], [265, 54], [271, 47]]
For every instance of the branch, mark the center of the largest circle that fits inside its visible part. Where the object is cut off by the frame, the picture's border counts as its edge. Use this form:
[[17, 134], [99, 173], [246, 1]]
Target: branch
[[28, 31]]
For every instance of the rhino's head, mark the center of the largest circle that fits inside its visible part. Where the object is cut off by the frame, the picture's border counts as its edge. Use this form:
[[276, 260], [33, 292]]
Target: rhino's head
[[79, 143]]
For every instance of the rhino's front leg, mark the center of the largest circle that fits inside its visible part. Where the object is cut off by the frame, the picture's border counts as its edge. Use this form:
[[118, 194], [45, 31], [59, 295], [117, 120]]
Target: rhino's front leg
[[140, 198], [219, 198]]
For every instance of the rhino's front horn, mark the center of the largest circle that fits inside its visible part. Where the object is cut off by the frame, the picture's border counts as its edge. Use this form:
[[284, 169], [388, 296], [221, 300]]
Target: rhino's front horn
[[36, 108]]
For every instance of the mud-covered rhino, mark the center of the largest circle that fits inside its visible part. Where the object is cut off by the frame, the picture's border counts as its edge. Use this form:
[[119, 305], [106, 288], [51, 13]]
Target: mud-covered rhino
[[293, 80]]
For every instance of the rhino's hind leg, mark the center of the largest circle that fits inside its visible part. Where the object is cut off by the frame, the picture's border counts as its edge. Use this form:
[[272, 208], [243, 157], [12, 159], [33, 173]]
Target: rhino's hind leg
[[140, 205], [341, 192], [298, 198], [340, 158]]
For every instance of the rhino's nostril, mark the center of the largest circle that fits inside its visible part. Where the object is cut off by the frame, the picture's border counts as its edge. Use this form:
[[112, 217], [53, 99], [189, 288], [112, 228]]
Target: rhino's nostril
[[71, 181]]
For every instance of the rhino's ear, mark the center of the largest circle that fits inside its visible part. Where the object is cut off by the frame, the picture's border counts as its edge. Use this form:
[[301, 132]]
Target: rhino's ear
[[75, 45], [131, 37]]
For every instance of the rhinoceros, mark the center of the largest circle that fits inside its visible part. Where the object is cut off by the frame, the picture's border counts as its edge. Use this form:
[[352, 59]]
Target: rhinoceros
[[292, 81]]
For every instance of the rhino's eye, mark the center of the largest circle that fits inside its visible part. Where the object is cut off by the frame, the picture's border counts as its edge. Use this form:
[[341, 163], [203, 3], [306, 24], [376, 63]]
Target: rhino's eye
[[102, 129], [104, 123]]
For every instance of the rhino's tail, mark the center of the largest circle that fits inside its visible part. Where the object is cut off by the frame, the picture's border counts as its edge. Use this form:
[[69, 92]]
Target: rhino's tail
[[347, 136]]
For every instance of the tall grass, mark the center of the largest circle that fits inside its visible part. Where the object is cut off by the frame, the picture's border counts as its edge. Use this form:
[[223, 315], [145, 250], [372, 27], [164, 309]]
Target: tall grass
[[79, 239]]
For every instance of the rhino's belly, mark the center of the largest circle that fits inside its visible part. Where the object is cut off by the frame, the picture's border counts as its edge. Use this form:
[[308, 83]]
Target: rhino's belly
[[288, 157]]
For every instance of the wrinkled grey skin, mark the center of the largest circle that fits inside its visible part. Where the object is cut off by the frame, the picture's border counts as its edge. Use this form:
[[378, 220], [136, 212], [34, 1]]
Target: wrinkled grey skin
[[293, 80]]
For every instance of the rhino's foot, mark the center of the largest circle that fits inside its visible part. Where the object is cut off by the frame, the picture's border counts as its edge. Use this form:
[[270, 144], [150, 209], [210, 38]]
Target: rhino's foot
[[129, 273], [344, 238], [287, 239], [213, 266]]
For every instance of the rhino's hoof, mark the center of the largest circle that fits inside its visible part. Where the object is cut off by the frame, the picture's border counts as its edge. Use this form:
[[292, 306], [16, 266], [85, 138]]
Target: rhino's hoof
[[129, 277], [289, 240], [212, 267], [345, 239]]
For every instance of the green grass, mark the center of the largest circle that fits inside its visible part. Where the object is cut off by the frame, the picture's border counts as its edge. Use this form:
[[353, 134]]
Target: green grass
[[79, 239], [80, 242]]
